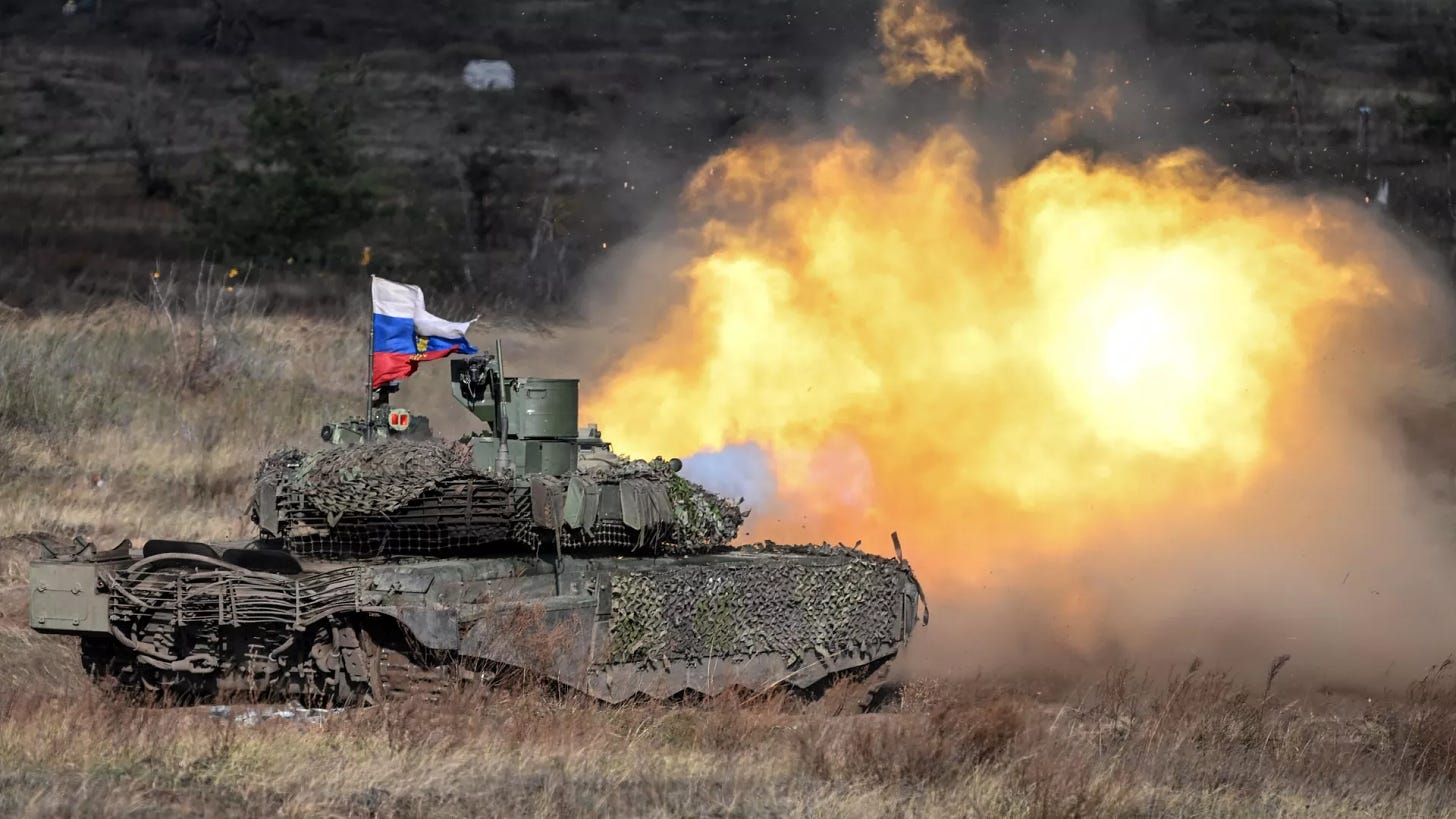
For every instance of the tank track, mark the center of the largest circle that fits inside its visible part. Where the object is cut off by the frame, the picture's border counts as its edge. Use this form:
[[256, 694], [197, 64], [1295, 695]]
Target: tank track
[[191, 625], [401, 677], [348, 666]]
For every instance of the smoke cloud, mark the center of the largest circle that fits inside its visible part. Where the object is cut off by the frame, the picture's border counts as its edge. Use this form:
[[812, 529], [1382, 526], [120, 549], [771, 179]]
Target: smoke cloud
[[1121, 405]]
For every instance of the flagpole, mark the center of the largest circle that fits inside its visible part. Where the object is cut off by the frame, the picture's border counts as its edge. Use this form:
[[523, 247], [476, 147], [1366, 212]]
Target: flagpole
[[369, 382], [369, 387]]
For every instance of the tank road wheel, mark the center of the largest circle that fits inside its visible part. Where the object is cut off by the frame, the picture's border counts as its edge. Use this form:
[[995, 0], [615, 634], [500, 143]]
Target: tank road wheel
[[362, 664], [103, 663], [116, 670], [349, 664]]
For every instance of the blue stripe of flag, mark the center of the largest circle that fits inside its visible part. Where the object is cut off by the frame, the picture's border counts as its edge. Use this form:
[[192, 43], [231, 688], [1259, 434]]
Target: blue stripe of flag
[[394, 335]]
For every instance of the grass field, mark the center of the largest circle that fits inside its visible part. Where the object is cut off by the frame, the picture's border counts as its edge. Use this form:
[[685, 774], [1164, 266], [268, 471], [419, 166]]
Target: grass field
[[142, 420], [1192, 743], [134, 421]]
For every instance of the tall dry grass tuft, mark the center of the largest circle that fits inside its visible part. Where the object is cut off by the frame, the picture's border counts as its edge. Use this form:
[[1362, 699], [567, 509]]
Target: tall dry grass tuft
[[149, 421], [913, 749], [205, 325], [1423, 731]]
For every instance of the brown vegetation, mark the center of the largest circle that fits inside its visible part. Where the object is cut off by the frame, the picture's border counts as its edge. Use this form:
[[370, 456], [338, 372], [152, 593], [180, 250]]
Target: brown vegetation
[[141, 420], [1196, 744]]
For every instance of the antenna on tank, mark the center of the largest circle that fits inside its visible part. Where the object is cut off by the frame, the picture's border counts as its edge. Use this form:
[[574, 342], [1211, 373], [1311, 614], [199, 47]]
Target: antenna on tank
[[502, 452]]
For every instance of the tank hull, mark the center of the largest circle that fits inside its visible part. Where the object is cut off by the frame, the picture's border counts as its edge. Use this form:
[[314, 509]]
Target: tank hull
[[201, 622]]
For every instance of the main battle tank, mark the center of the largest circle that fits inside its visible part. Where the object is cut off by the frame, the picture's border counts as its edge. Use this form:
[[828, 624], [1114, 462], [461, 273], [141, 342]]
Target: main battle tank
[[390, 562]]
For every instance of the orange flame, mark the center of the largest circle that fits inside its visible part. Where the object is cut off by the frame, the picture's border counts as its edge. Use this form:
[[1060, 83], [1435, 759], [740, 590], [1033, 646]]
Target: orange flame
[[1089, 341]]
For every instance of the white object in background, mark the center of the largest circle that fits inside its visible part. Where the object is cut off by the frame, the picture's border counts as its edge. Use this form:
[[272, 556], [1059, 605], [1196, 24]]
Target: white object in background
[[1382, 196], [490, 75]]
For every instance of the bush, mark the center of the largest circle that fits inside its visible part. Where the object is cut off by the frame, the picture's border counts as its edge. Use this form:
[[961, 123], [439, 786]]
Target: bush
[[299, 185]]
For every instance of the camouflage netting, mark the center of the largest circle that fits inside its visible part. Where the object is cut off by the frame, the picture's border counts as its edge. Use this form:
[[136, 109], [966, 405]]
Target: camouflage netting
[[274, 468], [367, 478], [847, 601], [373, 500], [705, 521], [667, 514], [424, 497]]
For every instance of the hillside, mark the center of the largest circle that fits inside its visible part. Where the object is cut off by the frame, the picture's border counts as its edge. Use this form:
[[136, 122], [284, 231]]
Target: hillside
[[108, 115]]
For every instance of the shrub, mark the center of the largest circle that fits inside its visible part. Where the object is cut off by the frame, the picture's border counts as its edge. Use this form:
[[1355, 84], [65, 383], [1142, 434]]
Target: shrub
[[299, 185]]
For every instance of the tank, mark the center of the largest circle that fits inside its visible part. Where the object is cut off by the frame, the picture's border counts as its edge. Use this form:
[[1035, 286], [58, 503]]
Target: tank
[[390, 563]]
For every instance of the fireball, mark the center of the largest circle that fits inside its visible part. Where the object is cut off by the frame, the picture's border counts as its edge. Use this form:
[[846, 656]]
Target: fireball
[[1084, 343], [1116, 409]]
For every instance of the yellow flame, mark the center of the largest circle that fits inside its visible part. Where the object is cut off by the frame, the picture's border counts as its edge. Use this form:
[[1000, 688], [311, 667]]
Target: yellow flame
[[919, 40], [1086, 342]]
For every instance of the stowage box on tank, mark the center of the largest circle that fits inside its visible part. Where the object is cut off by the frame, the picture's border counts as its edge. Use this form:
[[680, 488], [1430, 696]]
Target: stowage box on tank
[[390, 563]]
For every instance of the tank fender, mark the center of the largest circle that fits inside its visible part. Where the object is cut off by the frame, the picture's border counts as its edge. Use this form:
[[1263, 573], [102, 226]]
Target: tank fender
[[431, 626], [397, 581], [553, 636], [65, 598]]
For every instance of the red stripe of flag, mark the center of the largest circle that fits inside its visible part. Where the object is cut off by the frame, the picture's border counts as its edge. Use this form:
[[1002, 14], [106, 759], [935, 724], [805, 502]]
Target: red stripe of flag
[[398, 366]]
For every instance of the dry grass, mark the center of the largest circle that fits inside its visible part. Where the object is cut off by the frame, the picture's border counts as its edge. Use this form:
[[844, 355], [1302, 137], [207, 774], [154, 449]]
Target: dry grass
[[128, 422], [173, 440], [1197, 746], [137, 421]]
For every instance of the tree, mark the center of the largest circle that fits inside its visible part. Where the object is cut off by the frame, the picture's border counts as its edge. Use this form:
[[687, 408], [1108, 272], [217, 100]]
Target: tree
[[299, 185]]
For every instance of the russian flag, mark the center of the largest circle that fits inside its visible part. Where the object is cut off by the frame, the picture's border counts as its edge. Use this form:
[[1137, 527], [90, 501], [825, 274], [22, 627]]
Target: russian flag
[[406, 334]]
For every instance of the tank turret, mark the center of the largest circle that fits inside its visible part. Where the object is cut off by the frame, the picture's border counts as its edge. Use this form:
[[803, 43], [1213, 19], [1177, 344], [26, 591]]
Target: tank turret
[[529, 478], [535, 418]]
